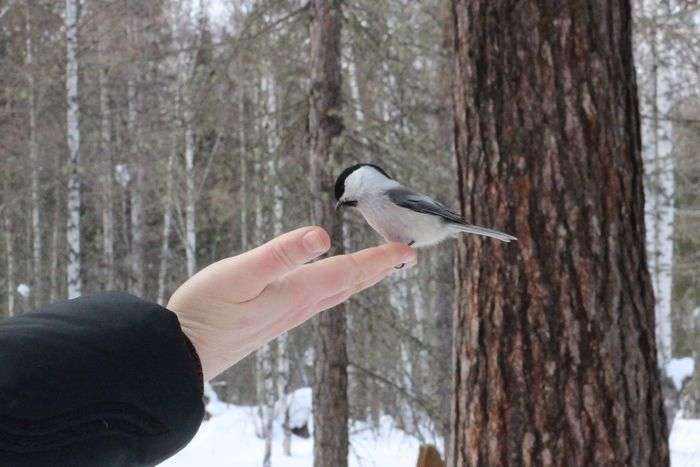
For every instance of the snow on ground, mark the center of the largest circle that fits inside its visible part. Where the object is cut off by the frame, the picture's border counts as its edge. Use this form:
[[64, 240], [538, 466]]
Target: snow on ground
[[678, 369], [385, 447], [228, 439], [685, 443], [299, 403], [23, 290]]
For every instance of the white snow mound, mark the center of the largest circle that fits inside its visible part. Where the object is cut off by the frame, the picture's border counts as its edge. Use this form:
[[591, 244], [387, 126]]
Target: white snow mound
[[23, 290], [678, 369]]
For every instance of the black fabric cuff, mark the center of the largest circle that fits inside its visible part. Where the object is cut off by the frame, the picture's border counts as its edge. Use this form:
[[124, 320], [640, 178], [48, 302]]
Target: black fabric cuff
[[106, 380]]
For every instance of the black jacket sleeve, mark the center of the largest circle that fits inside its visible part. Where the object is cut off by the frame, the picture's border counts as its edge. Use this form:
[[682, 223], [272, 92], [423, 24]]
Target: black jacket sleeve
[[105, 380]]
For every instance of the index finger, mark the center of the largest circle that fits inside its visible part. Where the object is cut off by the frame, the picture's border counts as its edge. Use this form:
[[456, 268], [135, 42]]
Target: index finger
[[316, 281]]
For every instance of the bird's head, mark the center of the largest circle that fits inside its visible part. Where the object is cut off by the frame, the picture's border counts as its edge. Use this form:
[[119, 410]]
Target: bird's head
[[356, 182]]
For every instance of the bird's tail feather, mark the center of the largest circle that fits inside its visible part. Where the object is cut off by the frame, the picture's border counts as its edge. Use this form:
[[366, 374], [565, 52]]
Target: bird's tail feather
[[475, 229]]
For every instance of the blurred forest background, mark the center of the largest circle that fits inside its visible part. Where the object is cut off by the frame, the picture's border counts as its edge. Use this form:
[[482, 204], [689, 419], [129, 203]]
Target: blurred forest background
[[142, 140]]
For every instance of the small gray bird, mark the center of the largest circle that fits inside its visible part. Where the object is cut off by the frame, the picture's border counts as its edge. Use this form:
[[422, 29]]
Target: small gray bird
[[398, 213]]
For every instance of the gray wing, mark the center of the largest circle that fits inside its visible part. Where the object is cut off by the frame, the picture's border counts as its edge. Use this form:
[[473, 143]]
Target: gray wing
[[409, 199]]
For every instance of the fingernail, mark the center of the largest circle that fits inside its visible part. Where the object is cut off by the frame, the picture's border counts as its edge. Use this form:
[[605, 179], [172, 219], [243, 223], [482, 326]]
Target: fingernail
[[410, 259], [313, 242]]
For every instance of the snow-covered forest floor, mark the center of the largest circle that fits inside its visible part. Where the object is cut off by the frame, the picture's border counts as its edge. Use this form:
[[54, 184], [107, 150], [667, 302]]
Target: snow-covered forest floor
[[685, 443], [228, 439]]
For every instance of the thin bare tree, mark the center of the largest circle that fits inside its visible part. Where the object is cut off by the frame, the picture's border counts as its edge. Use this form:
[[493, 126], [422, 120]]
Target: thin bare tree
[[330, 387], [73, 136]]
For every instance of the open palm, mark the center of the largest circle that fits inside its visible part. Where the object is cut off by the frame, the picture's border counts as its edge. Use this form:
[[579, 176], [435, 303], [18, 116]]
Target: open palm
[[237, 305]]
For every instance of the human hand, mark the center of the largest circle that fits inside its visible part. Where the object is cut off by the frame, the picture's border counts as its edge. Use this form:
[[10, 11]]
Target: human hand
[[237, 305]]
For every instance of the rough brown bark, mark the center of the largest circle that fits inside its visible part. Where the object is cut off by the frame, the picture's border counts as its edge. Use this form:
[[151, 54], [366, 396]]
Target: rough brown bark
[[555, 352], [331, 379]]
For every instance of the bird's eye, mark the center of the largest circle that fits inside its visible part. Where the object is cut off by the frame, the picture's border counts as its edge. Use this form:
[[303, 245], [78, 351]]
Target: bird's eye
[[351, 203]]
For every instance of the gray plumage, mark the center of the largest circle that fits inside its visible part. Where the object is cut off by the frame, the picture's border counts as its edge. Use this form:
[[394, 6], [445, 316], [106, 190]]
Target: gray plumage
[[400, 214], [407, 198]]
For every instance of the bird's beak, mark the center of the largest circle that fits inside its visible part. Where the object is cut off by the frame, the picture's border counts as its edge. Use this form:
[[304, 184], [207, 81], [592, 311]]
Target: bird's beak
[[345, 202]]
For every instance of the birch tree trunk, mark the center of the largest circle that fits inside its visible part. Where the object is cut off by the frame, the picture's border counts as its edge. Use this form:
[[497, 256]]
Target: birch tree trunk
[[10, 253], [282, 354], [330, 397], [265, 359], [284, 371], [167, 215], [660, 190], [356, 95], [267, 363], [137, 180], [190, 196], [73, 136], [267, 387], [243, 168], [554, 334], [54, 278], [107, 172], [34, 169]]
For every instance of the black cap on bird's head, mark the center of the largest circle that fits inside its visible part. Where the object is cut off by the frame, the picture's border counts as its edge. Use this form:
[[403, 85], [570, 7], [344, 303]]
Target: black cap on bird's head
[[340, 181]]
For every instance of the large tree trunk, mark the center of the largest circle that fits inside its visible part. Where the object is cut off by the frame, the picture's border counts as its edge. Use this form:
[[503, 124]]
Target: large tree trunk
[[75, 283], [330, 397], [555, 358]]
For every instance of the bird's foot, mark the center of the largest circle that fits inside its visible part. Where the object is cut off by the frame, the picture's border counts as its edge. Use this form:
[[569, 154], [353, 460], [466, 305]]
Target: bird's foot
[[400, 266]]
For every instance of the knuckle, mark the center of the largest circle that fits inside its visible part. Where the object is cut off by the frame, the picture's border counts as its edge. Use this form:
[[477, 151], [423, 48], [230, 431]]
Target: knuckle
[[281, 255]]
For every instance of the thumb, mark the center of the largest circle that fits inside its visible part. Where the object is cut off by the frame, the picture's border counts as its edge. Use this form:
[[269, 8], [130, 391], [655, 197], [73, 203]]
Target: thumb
[[250, 272]]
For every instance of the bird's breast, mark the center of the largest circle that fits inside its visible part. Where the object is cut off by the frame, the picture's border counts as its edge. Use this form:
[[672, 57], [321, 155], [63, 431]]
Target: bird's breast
[[397, 224]]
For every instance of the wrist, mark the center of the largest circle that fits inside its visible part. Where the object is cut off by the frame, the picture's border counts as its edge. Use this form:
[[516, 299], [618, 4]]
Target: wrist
[[211, 351], [196, 361]]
